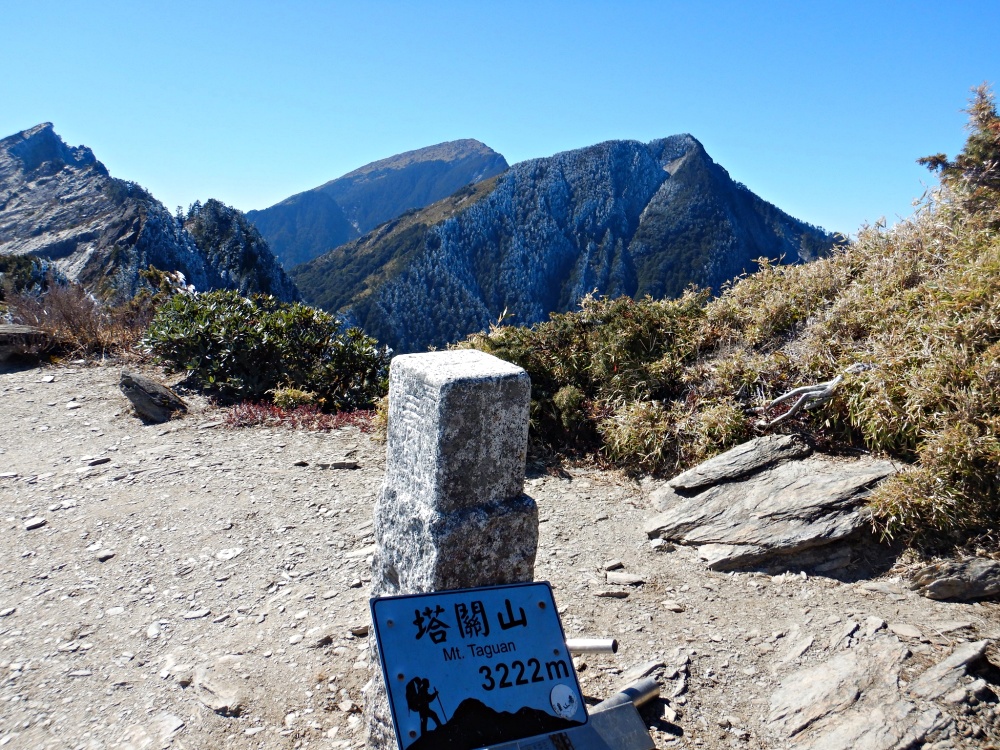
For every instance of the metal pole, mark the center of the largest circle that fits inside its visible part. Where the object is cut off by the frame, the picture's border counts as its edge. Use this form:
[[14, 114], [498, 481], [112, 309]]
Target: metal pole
[[639, 693]]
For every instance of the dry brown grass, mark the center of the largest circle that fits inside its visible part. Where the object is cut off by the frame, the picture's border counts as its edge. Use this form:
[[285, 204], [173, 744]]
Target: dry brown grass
[[78, 324]]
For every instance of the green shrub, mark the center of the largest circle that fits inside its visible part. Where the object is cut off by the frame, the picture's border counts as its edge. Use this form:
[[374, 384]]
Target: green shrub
[[243, 347]]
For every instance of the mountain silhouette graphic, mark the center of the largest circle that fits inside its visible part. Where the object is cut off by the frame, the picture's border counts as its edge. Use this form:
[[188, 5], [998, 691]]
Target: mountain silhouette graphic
[[474, 725]]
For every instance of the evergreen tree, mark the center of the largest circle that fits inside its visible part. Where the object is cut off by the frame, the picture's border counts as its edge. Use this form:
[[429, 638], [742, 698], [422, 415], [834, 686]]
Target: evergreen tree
[[977, 167]]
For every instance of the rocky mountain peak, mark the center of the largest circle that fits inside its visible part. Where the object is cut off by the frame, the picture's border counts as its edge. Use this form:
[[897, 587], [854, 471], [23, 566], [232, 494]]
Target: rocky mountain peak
[[60, 204], [40, 146], [308, 224], [448, 151]]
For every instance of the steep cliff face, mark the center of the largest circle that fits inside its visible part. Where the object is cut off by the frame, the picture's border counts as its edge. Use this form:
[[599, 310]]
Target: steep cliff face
[[60, 204], [621, 218], [306, 225]]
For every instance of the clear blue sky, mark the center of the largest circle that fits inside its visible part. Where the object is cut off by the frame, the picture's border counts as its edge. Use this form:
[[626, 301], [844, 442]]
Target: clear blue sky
[[821, 108]]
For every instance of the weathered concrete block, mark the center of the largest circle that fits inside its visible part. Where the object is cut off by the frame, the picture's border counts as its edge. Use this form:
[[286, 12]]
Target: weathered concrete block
[[452, 512]]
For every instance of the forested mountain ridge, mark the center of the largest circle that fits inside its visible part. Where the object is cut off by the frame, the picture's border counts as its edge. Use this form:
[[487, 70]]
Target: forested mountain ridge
[[60, 204], [621, 218], [313, 222]]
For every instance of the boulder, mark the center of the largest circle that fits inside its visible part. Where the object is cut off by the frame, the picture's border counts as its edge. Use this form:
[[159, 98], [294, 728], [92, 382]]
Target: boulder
[[962, 580], [764, 499], [18, 340], [152, 401]]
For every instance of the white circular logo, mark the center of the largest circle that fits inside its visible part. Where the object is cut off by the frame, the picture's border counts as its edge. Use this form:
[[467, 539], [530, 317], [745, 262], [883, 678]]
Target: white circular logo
[[564, 701]]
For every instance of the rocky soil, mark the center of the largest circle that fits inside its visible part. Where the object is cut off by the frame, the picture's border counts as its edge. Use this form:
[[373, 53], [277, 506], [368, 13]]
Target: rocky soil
[[193, 586]]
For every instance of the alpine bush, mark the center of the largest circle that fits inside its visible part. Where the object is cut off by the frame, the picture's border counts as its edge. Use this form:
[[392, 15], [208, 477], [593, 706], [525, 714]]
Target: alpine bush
[[249, 347]]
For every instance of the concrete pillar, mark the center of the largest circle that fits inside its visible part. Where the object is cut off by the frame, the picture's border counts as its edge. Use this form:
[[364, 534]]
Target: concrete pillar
[[452, 512]]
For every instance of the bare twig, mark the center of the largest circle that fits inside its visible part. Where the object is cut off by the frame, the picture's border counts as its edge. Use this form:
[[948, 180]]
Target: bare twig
[[807, 396]]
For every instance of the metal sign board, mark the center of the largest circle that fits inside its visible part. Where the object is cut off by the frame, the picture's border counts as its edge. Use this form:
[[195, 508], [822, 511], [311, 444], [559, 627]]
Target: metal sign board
[[471, 668]]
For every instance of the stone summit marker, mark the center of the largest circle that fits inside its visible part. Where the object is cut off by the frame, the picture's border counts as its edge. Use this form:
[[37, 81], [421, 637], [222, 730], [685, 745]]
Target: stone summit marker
[[452, 513]]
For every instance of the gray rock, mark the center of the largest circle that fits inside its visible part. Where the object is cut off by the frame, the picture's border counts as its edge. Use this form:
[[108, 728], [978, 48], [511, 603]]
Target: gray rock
[[850, 701], [452, 512], [962, 580], [64, 208], [222, 697], [18, 340], [624, 579], [745, 459], [152, 401], [781, 510], [944, 676]]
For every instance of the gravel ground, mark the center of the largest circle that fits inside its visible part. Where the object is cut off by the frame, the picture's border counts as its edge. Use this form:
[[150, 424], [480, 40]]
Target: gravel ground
[[195, 586]]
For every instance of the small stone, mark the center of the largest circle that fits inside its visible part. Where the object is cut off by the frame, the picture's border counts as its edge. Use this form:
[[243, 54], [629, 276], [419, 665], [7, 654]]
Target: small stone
[[7, 612], [73, 405], [624, 579], [297, 638], [34, 523], [903, 630], [672, 606], [221, 618], [873, 625], [339, 465], [105, 555], [8, 475], [196, 614], [228, 554], [668, 713], [348, 707], [115, 611], [612, 594], [153, 631], [613, 565], [330, 594], [958, 695], [319, 636], [360, 631], [661, 545], [80, 673], [253, 730], [99, 461], [355, 584]]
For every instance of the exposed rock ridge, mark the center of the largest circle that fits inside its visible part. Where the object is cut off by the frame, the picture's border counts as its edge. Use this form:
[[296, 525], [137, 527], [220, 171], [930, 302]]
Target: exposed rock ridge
[[621, 218], [60, 204]]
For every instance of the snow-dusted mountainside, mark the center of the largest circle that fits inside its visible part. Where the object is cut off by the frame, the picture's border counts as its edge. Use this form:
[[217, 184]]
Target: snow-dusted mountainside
[[308, 224], [621, 218], [61, 204]]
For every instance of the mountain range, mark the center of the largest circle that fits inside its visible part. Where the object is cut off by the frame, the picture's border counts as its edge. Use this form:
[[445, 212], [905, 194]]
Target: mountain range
[[310, 223], [617, 218], [61, 205]]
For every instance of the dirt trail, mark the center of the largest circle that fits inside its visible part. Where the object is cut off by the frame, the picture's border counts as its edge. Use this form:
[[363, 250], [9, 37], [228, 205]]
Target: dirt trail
[[194, 586]]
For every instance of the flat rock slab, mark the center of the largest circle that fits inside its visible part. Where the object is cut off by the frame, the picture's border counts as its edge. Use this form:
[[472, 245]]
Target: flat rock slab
[[745, 459], [961, 580], [783, 509], [852, 700]]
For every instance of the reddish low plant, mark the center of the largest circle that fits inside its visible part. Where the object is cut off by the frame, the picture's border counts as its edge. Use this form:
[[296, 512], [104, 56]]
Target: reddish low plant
[[264, 414]]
